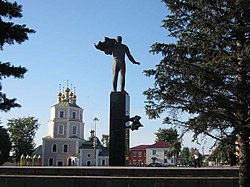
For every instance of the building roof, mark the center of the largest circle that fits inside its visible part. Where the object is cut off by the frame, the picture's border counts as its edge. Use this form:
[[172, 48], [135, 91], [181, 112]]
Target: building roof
[[104, 151], [66, 104], [140, 147], [160, 144], [89, 144]]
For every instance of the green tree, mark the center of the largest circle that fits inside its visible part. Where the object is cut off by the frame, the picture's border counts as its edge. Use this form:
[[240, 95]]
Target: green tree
[[5, 145], [22, 133], [225, 151], [10, 33], [206, 72], [191, 155], [105, 140], [172, 138], [185, 155]]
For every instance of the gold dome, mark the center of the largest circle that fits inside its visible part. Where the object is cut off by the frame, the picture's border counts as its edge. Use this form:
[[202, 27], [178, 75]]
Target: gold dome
[[63, 96], [67, 90]]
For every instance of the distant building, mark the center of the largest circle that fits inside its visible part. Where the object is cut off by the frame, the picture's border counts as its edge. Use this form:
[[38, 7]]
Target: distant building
[[65, 144], [158, 152], [93, 153], [138, 155], [155, 153]]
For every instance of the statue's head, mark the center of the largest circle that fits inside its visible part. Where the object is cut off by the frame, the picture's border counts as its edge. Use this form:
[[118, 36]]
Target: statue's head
[[119, 39]]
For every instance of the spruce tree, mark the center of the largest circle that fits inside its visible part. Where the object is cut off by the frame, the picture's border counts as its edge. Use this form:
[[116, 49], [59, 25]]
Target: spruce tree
[[10, 33], [5, 145], [206, 72]]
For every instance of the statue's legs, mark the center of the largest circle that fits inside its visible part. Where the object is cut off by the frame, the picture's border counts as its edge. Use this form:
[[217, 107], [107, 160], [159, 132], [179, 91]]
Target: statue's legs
[[122, 77], [122, 83], [115, 76], [119, 65]]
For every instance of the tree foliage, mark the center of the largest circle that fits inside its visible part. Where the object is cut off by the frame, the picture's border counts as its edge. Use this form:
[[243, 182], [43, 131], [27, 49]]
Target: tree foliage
[[206, 71], [22, 133], [185, 155], [11, 33], [5, 145], [225, 151], [105, 140], [170, 136]]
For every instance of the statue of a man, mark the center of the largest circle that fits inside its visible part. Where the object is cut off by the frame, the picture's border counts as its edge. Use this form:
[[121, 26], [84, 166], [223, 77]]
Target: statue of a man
[[118, 50], [119, 66]]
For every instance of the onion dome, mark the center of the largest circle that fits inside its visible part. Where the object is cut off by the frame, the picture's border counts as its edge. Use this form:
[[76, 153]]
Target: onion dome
[[63, 96], [67, 90]]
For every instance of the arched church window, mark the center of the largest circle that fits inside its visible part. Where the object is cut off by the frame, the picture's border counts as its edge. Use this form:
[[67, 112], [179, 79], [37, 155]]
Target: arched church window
[[65, 148], [51, 162], [88, 163], [69, 162], [54, 148]]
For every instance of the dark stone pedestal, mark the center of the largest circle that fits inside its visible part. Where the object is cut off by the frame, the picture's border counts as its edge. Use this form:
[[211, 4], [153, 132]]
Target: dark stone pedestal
[[118, 176], [119, 135]]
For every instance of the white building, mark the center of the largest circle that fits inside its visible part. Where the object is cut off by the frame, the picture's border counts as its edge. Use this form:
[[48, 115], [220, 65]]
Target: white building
[[65, 144], [92, 153], [65, 132], [158, 153]]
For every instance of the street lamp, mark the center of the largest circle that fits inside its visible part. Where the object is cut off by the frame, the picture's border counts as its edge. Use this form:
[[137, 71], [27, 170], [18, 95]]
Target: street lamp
[[95, 141], [164, 153]]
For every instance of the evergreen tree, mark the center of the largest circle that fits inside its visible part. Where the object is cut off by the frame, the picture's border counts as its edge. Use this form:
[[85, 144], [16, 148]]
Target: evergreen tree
[[10, 33], [22, 133], [206, 72], [5, 145]]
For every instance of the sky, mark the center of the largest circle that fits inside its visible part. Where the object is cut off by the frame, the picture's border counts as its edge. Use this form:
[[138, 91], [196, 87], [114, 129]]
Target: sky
[[63, 49]]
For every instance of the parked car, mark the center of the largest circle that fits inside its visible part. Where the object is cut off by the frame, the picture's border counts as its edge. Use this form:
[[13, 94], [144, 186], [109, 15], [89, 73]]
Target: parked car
[[155, 165]]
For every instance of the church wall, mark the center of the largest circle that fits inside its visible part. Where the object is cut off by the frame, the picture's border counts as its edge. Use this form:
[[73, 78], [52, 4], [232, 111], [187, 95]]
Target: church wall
[[87, 157], [59, 154]]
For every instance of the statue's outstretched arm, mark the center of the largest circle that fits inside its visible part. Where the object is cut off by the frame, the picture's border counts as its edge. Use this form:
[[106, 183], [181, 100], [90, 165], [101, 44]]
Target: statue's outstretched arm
[[130, 57]]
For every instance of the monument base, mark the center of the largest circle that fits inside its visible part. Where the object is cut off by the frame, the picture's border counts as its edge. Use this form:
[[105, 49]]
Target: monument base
[[119, 135]]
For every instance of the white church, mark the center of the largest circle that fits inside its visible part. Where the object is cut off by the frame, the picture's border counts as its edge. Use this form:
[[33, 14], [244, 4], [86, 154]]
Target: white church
[[65, 144]]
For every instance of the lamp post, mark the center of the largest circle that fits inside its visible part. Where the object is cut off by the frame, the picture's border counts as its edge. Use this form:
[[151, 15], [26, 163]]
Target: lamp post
[[95, 141], [164, 156]]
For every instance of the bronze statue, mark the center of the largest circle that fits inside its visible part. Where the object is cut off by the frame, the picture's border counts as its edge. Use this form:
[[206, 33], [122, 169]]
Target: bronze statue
[[118, 50]]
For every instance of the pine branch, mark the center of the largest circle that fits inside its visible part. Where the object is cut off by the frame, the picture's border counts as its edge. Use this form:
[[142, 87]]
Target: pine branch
[[7, 70]]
